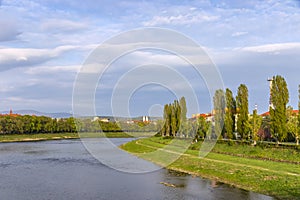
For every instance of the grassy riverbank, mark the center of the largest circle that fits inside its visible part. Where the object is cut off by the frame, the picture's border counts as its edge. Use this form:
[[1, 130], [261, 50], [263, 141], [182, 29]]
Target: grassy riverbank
[[60, 136], [269, 171]]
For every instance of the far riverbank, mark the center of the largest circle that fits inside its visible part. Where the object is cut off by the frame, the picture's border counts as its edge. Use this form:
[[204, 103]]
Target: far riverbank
[[64, 136]]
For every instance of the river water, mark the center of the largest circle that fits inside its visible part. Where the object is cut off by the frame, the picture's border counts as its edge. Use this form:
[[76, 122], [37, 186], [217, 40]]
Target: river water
[[64, 169]]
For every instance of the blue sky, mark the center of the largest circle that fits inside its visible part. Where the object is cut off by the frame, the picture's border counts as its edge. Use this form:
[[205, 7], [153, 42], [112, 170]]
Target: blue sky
[[43, 45]]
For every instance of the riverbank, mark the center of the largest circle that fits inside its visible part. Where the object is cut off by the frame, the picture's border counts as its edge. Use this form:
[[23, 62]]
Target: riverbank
[[270, 171], [64, 136]]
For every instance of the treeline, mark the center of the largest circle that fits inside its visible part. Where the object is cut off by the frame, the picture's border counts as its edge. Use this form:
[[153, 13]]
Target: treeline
[[231, 118], [176, 124], [28, 124]]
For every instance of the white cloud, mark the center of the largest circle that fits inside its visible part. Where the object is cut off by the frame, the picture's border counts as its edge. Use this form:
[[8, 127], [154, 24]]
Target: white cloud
[[236, 34], [180, 19], [18, 57], [269, 48], [52, 69]]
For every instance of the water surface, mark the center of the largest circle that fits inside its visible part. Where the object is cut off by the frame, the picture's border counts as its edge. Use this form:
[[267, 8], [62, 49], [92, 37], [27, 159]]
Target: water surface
[[65, 170]]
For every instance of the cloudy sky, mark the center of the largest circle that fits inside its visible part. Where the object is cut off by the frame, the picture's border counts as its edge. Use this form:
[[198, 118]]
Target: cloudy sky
[[43, 45]]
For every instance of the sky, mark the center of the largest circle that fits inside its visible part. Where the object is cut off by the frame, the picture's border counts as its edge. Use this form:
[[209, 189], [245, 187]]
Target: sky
[[44, 45]]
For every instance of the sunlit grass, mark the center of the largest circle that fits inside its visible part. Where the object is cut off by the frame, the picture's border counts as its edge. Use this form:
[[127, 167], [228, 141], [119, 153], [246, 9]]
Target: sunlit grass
[[279, 179]]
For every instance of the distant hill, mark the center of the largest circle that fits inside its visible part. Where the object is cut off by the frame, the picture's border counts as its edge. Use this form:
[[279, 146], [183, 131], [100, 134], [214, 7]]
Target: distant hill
[[37, 113]]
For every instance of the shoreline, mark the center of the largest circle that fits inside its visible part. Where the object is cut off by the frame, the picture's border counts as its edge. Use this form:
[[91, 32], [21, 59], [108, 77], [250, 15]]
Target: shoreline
[[65, 136], [275, 179]]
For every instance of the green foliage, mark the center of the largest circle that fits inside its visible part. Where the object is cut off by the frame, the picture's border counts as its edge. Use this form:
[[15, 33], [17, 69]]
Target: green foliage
[[242, 110], [40, 124], [219, 109], [203, 127], [298, 126], [256, 122], [174, 118], [230, 111], [292, 123], [279, 100], [182, 104]]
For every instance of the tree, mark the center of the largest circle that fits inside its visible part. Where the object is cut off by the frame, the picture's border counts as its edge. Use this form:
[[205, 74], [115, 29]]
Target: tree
[[256, 122], [166, 126], [182, 104], [229, 121], [175, 117], [279, 100], [298, 126], [202, 126], [219, 111], [291, 124], [182, 116], [242, 110]]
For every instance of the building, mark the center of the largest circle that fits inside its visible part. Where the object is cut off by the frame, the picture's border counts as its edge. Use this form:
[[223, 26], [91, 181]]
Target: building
[[11, 114], [146, 119], [294, 112], [104, 120], [209, 117]]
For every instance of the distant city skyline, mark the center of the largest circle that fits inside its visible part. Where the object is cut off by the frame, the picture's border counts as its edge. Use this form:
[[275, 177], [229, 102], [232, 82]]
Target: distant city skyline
[[43, 45]]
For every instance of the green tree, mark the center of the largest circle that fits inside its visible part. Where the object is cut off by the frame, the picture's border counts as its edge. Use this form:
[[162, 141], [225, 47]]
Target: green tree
[[292, 123], [167, 131], [219, 111], [298, 126], [183, 108], [279, 100], [256, 122], [175, 117], [229, 121], [242, 110], [202, 126]]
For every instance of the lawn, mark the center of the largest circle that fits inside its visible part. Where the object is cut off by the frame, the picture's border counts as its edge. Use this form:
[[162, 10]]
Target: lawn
[[269, 171]]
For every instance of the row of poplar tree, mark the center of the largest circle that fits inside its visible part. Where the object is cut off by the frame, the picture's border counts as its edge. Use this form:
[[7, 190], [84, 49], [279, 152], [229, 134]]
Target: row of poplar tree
[[231, 118], [232, 115], [174, 118]]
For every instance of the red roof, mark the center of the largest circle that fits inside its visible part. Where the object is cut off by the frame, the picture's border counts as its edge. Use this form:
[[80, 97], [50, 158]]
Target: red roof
[[205, 115], [268, 113]]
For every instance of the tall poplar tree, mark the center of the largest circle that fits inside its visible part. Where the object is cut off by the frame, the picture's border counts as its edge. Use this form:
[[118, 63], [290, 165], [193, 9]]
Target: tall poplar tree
[[173, 117], [182, 104], [167, 121], [183, 111], [219, 111], [256, 122], [229, 121], [279, 100], [242, 110], [298, 130]]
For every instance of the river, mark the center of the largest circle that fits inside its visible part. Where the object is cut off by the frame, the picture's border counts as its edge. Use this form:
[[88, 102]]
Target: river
[[63, 169]]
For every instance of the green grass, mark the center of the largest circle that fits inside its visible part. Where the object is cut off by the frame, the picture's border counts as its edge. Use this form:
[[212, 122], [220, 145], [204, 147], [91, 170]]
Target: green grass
[[58, 136], [246, 151], [271, 177]]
